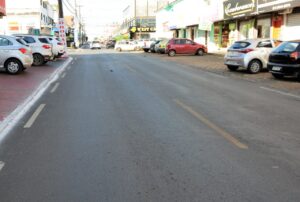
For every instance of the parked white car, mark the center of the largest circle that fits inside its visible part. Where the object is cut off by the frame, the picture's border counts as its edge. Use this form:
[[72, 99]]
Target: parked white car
[[58, 48], [126, 46], [251, 54], [95, 45], [15, 56], [41, 48]]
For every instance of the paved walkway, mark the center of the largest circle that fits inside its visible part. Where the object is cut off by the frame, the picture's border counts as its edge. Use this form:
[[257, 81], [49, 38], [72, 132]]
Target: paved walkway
[[14, 89]]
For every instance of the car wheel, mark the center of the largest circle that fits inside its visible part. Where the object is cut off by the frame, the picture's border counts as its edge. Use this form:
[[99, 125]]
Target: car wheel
[[232, 68], [200, 52], [172, 53], [38, 59], [254, 66], [277, 76], [13, 66], [146, 50]]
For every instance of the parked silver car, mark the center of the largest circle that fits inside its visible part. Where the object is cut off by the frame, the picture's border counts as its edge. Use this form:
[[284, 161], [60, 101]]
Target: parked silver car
[[41, 48], [250, 54], [58, 48], [15, 56]]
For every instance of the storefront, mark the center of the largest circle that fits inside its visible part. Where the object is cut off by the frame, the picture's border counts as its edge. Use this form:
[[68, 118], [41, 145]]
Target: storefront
[[238, 22], [284, 12]]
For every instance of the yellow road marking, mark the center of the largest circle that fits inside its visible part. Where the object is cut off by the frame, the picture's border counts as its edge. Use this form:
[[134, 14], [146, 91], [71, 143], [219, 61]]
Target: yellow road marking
[[213, 126]]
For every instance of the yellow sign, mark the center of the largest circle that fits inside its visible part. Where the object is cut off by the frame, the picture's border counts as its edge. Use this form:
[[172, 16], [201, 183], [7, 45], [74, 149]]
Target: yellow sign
[[142, 29]]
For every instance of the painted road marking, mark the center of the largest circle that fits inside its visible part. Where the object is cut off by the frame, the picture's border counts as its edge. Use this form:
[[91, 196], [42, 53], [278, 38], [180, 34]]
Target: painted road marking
[[34, 116], [280, 92], [64, 74], [69, 67], [213, 126], [2, 164], [54, 88]]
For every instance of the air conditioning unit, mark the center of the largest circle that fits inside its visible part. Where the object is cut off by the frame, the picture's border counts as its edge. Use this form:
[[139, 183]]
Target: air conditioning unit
[[286, 11]]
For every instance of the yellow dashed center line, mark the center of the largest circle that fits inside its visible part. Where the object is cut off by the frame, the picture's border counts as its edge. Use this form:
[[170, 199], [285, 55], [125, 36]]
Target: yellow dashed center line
[[230, 138]]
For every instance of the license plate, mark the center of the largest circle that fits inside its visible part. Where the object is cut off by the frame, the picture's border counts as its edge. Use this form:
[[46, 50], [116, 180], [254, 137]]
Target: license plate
[[232, 54], [275, 68]]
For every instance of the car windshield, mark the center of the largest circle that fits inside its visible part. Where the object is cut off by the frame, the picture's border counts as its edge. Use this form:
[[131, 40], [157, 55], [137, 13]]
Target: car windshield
[[287, 47], [240, 45]]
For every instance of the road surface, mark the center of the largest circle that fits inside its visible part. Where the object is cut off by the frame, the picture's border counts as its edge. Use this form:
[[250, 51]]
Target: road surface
[[130, 127]]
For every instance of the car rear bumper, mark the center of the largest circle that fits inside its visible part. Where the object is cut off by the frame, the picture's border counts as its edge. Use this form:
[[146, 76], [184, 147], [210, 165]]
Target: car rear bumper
[[283, 69], [234, 61], [27, 62]]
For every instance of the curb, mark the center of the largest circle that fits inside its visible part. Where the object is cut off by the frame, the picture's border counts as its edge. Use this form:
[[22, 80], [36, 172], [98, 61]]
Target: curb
[[10, 121]]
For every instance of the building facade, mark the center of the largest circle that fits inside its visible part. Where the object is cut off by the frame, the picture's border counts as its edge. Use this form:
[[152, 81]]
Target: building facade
[[30, 16], [139, 20], [218, 24]]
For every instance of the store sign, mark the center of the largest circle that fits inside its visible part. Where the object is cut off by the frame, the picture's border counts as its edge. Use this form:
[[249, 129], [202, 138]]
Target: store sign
[[142, 29], [239, 8], [62, 31], [2, 8], [275, 5]]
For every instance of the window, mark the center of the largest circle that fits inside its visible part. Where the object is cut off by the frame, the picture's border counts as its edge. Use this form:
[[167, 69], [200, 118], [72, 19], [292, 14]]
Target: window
[[183, 41], [265, 44], [5, 42], [240, 45], [28, 39], [189, 42], [287, 47], [177, 41], [43, 40], [21, 41]]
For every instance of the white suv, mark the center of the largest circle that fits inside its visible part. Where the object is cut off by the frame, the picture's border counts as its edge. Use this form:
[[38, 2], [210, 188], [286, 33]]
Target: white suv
[[58, 46], [15, 56], [41, 48]]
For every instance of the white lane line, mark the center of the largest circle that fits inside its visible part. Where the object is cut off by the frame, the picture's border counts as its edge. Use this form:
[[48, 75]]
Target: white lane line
[[280, 92], [2, 164], [69, 67], [34, 116], [64, 74], [54, 88]]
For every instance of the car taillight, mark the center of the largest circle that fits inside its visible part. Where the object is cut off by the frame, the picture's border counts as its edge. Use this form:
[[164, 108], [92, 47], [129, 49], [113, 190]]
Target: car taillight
[[294, 56], [46, 46], [246, 50], [23, 50]]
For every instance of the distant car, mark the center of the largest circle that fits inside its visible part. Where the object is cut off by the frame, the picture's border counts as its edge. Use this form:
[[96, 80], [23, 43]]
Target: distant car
[[126, 46], [152, 46], [285, 60], [185, 46], [95, 45], [110, 44], [161, 46], [58, 46], [251, 54], [147, 45], [41, 48], [15, 55]]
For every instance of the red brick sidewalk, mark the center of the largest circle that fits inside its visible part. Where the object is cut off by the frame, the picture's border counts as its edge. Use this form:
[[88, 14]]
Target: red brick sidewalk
[[14, 89]]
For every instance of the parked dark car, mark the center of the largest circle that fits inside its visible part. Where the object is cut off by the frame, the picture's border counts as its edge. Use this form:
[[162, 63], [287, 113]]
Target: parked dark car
[[111, 44], [152, 46], [185, 46], [285, 60]]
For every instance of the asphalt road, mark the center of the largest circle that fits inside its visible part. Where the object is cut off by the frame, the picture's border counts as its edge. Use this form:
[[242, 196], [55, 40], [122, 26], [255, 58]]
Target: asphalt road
[[127, 127]]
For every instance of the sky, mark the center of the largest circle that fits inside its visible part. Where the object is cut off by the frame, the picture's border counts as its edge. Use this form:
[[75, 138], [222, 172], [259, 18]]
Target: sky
[[98, 13]]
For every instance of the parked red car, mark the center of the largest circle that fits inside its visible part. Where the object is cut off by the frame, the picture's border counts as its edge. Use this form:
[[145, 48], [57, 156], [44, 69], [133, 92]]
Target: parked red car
[[185, 46]]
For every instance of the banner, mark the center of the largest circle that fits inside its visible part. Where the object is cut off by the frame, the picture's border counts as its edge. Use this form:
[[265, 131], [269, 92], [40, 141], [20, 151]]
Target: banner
[[62, 31], [239, 8], [275, 5]]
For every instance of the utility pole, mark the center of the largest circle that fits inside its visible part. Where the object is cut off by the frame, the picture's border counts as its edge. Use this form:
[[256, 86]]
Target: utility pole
[[60, 9]]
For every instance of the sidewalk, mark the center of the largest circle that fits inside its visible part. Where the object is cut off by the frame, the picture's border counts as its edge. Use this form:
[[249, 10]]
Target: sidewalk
[[16, 89]]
